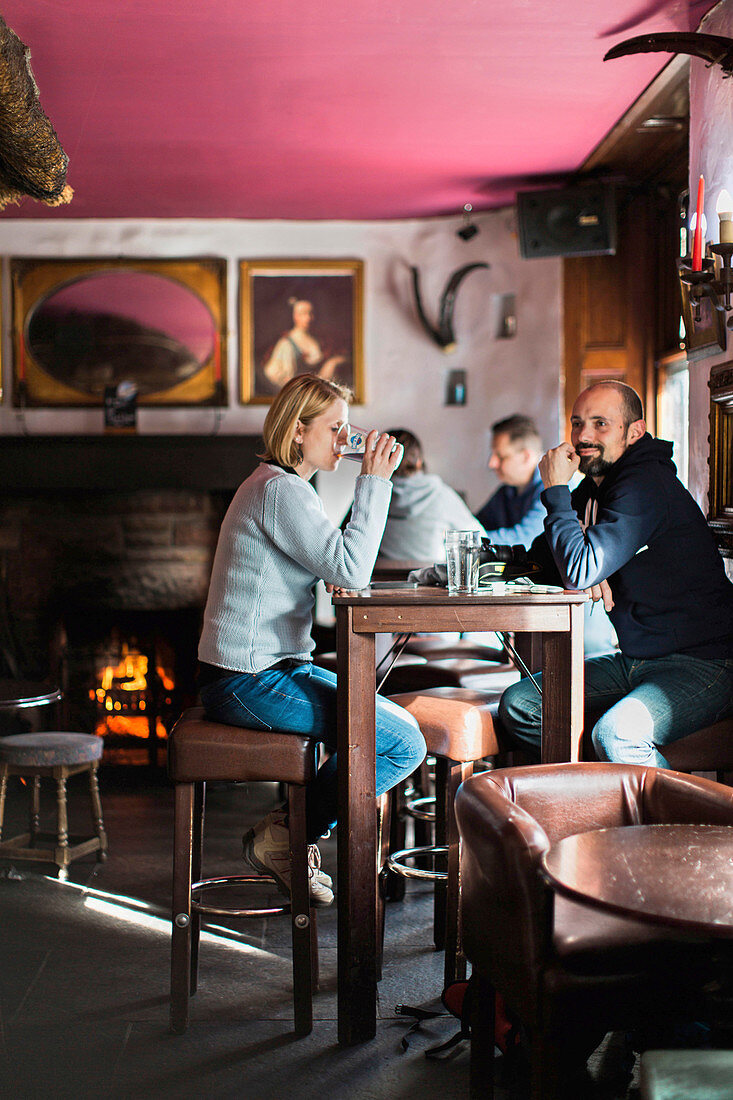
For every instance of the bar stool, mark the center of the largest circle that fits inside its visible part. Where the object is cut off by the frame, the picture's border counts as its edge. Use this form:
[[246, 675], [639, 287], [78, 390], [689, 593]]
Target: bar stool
[[200, 751], [57, 755], [706, 750], [459, 727]]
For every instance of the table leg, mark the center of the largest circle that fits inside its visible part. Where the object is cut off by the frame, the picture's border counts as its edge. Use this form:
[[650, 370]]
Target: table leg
[[357, 839], [562, 691]]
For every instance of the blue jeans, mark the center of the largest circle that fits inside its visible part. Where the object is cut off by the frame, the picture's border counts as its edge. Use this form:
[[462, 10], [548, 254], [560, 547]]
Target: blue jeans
[[643, 704], [301, 698]]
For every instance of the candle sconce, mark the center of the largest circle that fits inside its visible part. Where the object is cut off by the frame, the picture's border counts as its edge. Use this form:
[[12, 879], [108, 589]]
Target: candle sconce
[[706, 298]]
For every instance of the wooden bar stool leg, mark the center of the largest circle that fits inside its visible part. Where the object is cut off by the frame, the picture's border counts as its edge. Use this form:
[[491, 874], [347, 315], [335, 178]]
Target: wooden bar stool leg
[[301, 912], [61, 852], [97, 819], [3, 793], [384, 833], [442, 792], [423, 831], [455, 960], [34, 824], [181, 929], [197, 856]]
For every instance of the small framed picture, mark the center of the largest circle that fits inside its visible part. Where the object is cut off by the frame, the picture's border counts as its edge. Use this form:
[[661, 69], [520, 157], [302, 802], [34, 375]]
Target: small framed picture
[[297, 317]]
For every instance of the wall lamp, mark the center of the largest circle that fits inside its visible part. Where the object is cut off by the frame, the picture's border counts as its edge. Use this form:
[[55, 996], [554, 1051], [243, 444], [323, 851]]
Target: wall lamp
[[468, 229], [710, 276]]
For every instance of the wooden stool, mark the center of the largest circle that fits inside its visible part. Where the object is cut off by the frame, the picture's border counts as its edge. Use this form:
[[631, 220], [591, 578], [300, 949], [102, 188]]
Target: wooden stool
[[459, 729], [200, 751], [705, 750], [59, 755]]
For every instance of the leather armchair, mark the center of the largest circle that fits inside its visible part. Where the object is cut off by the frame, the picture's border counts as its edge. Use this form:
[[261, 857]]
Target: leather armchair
[[569, 972]]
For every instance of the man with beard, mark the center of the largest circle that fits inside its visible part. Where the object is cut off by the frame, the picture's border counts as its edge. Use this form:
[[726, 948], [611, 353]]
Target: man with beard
[[632, 535]]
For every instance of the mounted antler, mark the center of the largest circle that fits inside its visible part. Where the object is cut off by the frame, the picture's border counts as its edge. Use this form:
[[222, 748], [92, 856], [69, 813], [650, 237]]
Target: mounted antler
[[712, 48], [443, 335]]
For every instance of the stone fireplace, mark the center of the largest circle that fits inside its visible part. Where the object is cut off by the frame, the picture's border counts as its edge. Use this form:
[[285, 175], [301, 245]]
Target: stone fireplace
[[106, 546]]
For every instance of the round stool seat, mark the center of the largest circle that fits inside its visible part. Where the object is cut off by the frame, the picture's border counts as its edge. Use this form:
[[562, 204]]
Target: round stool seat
[[457, 723], [50, 750]]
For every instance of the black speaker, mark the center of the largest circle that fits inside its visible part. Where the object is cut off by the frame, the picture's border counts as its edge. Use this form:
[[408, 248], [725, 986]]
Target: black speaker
[[576, 221]]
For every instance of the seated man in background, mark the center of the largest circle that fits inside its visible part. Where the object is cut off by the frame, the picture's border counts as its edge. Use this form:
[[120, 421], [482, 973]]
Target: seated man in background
[[633, 535], [422, 509], [515, 513]]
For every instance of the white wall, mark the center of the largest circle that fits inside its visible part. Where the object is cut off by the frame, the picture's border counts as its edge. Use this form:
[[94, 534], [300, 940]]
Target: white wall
[[711, 154], [405, 371]]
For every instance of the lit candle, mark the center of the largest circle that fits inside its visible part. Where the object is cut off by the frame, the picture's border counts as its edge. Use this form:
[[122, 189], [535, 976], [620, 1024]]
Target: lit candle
[[724, 210], [697, 240]]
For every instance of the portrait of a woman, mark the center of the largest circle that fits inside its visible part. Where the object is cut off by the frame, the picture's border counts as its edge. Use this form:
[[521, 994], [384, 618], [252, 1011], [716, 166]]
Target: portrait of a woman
[[299, 350], [300, 317]]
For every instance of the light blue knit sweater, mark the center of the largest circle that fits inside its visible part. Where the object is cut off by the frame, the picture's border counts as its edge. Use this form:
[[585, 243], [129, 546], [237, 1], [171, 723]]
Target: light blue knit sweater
[[275, 542]]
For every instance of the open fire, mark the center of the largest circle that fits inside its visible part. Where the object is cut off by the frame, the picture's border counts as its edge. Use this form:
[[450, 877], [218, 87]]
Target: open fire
[[133, 694]]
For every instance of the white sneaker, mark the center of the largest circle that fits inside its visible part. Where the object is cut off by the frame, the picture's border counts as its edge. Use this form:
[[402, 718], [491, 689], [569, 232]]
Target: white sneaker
[[266, 848]]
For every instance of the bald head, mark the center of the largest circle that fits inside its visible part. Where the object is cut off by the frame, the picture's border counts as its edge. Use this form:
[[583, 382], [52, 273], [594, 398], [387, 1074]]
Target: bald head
[[631, 406], [607, 418]]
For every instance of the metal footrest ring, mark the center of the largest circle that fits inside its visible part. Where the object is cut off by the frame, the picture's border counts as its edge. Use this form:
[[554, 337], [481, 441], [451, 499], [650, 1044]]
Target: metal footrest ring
[[396, 863], [413, 808], [198, 888]]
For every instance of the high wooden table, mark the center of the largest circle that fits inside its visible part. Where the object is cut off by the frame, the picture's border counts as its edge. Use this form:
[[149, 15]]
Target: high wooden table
[[678, 875], [359, 618]]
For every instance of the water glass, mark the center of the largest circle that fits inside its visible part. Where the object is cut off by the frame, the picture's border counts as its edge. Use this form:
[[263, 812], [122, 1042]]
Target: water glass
[[462, 549]]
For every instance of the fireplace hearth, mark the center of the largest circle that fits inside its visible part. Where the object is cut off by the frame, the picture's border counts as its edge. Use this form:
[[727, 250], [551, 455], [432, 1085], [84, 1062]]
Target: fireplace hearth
[[106, 547]]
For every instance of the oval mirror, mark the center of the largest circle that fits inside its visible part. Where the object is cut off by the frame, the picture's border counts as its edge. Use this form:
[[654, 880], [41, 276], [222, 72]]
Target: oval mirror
[[109, 327]]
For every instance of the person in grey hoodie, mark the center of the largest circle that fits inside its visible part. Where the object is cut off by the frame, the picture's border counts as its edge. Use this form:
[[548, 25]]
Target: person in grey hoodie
[[633, 536], [422, 508]]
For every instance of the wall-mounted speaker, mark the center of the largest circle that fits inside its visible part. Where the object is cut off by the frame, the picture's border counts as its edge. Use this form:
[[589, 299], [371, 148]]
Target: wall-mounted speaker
[[576, 221]]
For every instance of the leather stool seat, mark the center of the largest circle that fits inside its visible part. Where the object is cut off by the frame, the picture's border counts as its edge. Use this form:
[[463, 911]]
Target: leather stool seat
[[462, 671], [201, 751], [460, 728], [456, 722], [57, 755], [435, 648], [706, 750], [207, 751]]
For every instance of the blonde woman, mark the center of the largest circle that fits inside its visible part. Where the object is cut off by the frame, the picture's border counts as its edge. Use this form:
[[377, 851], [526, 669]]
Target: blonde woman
[[255, 650]]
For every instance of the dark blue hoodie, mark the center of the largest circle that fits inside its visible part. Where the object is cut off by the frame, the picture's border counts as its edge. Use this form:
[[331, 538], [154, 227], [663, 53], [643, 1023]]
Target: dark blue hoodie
[[648, 538]]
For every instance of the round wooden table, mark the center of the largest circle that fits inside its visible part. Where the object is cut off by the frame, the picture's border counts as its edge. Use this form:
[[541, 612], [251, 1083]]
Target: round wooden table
[[680, 875]]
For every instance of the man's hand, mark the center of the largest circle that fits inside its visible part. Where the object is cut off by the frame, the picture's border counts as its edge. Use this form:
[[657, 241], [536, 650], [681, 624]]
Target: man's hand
[[601, 591], [558, 465]]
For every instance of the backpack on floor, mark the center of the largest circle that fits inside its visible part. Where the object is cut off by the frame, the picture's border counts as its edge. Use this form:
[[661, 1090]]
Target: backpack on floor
[[458, 999]]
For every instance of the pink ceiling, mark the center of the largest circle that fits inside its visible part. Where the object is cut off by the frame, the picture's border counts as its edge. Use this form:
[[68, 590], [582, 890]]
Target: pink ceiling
[[311, 109]]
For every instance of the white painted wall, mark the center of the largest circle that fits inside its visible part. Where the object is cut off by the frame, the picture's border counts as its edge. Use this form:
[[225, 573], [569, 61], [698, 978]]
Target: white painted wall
[[405, 370], [711, 153]]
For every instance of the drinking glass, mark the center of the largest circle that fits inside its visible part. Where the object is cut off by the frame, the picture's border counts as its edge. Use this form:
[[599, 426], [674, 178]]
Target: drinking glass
[[462, 550]]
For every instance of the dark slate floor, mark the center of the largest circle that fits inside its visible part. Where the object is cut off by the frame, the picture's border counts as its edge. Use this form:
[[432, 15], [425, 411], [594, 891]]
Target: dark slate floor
[[84, 975]]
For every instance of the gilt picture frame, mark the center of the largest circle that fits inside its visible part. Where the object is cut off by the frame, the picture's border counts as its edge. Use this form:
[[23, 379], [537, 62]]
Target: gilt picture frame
[[84, 327], [300, 316]]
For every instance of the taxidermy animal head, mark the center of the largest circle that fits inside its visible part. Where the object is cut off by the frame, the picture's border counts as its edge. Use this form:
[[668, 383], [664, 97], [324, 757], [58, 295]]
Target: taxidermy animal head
[[32, 162]]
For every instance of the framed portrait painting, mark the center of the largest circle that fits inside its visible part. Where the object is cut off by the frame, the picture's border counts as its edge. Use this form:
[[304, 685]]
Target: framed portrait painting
[[296, 317]]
